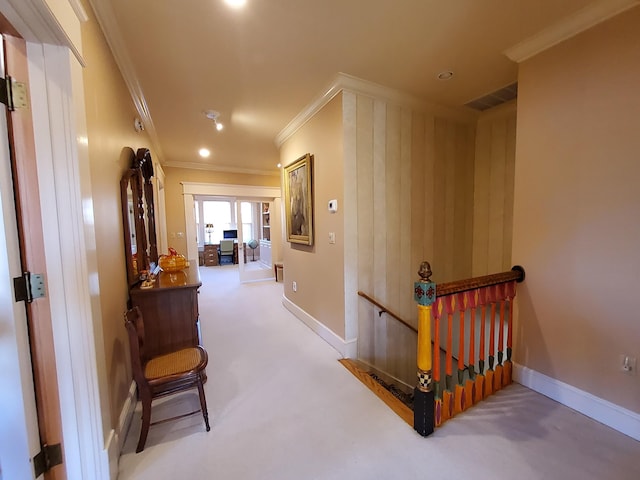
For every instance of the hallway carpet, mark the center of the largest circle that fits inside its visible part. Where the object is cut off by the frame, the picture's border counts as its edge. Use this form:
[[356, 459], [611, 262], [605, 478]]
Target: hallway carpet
[[282, 407]]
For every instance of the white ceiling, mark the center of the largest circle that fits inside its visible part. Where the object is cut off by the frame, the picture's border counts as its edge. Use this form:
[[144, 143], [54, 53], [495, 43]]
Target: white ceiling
[[260, 66]]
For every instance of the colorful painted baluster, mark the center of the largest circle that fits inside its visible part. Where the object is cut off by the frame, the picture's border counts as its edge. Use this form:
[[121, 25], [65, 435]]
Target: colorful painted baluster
[[491, 298], [500, 296], [480, 378], [424, 399], [459, 396], [447, 396], [508, 366], [437, 387], [470, 395]]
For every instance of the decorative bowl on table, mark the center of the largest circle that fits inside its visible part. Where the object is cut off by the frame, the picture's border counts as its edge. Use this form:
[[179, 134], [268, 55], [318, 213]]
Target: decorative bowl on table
[[174, 262]]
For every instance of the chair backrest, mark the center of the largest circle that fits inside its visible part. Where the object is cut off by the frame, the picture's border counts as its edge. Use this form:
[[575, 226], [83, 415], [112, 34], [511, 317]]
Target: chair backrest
[[134, 323], [226, 247]]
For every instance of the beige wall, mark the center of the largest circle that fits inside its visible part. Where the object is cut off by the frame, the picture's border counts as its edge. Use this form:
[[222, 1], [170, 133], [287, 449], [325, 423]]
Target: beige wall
[[318, 270], [576, 213], [407, 197], [110, 113], [493, 190], [414, 196], [175, 201]]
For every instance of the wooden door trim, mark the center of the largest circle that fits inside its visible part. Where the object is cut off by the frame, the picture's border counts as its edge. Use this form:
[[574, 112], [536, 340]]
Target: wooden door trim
[[20, 437], [32, 259]]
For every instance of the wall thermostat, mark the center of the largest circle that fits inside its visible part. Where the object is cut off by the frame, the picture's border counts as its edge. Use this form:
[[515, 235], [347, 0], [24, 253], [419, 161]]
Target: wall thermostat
[[333, 206]]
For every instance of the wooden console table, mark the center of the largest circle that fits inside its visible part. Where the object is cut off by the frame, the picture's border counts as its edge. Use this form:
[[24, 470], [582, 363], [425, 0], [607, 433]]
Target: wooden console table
[[170, 310]]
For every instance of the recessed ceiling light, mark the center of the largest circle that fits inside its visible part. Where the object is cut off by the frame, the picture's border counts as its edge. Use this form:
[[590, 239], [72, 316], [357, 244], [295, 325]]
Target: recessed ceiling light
[[446, 75], [236, 3], [204, 152], [279, 165]]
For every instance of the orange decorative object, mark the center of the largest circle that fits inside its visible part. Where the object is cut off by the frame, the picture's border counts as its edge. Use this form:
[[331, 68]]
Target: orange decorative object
[[173, 279], [173, 262]]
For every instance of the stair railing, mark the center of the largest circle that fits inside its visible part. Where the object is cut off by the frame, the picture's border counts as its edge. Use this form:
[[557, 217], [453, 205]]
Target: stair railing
[[433, 405], [384, 309]]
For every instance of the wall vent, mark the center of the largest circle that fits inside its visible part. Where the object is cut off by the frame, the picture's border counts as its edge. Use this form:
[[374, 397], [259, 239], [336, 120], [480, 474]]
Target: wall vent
[[494, 99]]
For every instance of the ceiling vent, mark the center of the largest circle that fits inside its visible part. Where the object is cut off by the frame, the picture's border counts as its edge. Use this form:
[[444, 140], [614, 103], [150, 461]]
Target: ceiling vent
[[494, 99]]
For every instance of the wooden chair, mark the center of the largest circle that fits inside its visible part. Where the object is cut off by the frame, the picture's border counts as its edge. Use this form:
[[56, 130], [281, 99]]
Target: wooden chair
[[163, 375]]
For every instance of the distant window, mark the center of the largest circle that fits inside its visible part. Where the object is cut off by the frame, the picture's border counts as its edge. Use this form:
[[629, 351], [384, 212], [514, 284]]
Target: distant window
[[247, 208], [217, 213]]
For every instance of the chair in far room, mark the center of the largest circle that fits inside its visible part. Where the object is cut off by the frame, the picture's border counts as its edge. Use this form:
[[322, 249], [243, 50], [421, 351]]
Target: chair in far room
[[225, 252]]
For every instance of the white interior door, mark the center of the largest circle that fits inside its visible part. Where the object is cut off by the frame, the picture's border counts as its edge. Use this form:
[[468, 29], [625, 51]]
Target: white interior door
[[248, 214]]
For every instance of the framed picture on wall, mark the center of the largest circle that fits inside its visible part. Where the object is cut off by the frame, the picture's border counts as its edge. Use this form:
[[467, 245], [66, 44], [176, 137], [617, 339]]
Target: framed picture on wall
[[298, 200]]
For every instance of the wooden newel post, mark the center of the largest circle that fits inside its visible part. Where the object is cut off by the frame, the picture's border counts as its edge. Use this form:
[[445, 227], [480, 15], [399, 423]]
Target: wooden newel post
[[424, 293]]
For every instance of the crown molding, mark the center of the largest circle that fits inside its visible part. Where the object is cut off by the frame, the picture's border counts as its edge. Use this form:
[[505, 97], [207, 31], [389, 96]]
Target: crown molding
[[348, 83], [220, 168], [36, 22], [79, 10], [107, 21], [582, 20]]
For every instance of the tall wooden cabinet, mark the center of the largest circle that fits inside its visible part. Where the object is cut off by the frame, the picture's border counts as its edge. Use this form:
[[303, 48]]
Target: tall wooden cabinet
[[170, 310]]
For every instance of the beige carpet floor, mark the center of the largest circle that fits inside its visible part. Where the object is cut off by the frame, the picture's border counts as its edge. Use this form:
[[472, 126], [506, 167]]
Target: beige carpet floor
[[282, 407]]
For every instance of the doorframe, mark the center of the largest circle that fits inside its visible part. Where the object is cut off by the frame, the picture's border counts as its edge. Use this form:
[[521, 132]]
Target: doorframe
[[65, 196], [190, 189], [57, 104], [260, 275]]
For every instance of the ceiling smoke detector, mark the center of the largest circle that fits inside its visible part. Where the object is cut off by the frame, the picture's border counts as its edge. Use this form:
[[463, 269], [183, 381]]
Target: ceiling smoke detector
[[212, 114]]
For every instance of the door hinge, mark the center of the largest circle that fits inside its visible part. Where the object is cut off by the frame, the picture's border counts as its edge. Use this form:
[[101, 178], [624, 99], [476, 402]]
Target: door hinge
[[49, 457], [13, 94], [28, 287]]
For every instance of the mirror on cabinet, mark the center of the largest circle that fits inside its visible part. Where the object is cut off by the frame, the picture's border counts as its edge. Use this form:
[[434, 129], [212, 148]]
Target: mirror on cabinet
[[138, 221], [145, 164]]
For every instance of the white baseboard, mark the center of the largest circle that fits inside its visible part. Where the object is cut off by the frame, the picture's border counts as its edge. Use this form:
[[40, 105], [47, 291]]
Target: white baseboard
[[346, 348], [112, 454], [117, 436], [603, 411]]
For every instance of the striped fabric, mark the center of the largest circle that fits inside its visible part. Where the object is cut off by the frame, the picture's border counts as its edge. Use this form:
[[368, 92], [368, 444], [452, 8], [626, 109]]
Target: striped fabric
[[172, 363]]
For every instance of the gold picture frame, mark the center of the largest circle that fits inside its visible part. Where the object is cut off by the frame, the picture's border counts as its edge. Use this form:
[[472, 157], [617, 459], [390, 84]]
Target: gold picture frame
[[298, 200]]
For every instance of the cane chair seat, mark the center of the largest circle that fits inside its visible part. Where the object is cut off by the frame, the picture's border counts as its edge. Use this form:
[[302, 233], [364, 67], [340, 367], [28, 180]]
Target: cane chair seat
[[176, 363]]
